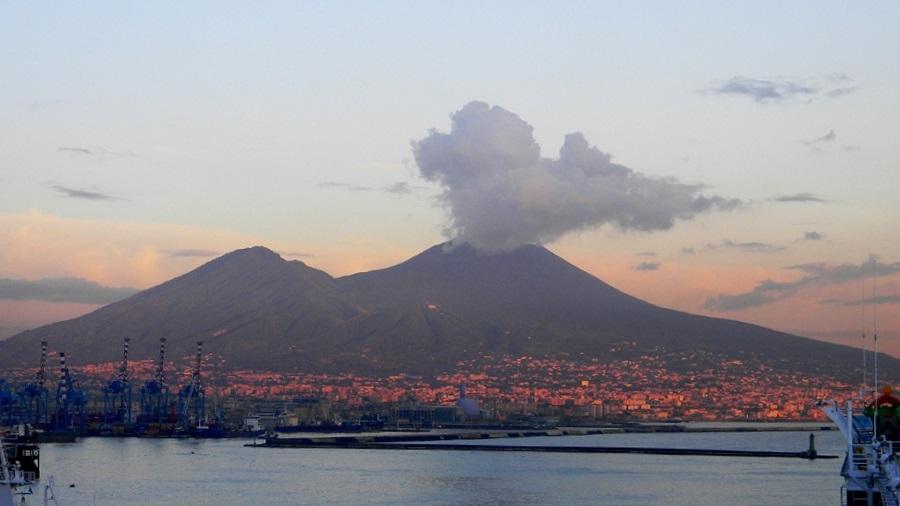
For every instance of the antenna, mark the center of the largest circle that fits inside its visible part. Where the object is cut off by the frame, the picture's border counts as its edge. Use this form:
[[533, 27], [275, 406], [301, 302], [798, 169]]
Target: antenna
[[875, 340], [160, 367], [862, 305], [123, 369], [875, 315], [41, 374]]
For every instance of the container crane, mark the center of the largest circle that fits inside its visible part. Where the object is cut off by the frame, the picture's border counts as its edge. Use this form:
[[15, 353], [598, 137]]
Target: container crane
[[70, 400], [192, 398], [117, 394], [34, 398], [155, 393]]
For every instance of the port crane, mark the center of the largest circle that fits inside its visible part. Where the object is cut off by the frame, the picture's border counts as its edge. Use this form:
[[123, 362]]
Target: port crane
[[192, 398], [155, 393], [117, 394], [34, 398], [70, 400]]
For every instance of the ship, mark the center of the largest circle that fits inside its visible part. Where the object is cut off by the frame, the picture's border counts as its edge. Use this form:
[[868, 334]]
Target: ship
[[871, 468], [20, 472]]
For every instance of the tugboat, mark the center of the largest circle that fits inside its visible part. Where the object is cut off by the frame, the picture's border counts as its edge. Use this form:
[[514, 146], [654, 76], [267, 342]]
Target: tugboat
[[871, 469]]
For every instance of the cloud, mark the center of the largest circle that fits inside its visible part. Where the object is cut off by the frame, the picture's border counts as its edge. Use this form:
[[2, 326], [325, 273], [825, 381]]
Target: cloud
[[831, 136], [850, 147], [398, 188], [345, 186], [879, 300], [501, 193], [783, 90], [812, 236], [95, 151], [687, 250], [194, 253], [62, 290], [747, 247], [799, 197], [646, 254], [818, 144], [82, 194], [840, 92], [763, 90], [647, 266], [81, 151], [817, 274]]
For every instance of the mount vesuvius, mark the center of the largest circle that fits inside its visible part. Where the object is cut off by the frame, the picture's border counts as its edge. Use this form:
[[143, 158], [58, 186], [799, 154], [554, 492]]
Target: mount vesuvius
[[259, 311]]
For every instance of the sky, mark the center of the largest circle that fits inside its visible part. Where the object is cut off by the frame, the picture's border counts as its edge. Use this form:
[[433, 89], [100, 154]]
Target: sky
[[734, 159]]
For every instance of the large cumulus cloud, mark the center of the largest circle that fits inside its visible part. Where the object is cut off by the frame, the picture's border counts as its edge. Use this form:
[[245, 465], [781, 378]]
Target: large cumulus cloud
[[501, 193]]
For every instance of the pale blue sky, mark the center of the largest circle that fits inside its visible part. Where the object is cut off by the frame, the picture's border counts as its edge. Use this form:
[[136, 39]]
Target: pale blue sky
[[229, 116]]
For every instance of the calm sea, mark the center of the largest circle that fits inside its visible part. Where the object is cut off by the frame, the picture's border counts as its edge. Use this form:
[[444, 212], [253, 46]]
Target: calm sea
[[124, 472]]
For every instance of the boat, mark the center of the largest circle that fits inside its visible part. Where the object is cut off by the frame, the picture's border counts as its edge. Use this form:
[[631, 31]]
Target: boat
[[871, 468], [20, 472]]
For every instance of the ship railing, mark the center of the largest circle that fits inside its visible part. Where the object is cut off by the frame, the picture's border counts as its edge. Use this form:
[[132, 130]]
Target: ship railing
[[890, 463], [862, 458]]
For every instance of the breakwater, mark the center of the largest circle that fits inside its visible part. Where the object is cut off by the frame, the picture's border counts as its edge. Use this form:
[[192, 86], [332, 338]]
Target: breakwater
[[444, 442]]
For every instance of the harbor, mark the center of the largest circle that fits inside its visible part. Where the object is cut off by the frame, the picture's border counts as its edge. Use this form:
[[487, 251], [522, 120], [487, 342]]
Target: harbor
[[112, 472]]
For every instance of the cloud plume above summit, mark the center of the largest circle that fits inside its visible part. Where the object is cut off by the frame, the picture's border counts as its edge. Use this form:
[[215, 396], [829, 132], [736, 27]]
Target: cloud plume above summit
[[501, 193]]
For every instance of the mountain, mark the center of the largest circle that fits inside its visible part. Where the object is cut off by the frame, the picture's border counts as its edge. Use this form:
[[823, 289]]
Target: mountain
[[446, 304], [249, 304], [531, 301]]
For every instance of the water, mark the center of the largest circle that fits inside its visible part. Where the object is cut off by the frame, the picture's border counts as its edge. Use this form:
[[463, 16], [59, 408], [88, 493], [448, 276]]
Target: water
[[126, 472]]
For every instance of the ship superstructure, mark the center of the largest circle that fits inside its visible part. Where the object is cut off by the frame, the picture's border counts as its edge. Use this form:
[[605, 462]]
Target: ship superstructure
[[871, 468]]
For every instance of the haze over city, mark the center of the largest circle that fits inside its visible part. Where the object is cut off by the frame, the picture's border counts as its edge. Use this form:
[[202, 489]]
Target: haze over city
[[716, 160]]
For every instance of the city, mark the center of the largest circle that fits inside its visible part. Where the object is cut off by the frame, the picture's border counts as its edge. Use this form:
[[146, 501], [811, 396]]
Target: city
[[507, 389]]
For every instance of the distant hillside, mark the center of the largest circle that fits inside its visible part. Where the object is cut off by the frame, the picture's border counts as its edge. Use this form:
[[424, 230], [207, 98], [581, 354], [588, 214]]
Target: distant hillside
[[262, 312]]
